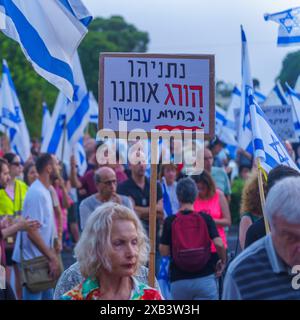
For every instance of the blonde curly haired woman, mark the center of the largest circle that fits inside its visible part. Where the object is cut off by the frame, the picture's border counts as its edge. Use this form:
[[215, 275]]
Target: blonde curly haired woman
[[111, 249]]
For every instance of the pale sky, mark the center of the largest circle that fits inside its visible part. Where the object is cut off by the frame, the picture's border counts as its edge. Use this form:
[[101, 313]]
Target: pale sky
[[208, 26]]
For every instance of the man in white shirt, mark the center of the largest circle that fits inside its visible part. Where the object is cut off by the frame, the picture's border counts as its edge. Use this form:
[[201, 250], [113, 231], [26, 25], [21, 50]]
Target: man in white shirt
[[38, 206]]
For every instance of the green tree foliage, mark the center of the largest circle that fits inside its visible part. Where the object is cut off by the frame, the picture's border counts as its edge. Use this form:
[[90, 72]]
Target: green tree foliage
[[290, 69], [105, 35], [108, 35]]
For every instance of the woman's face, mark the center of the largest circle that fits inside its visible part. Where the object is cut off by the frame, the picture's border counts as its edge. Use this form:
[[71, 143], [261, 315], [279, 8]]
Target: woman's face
[[125, 248], [16, 167], [202, 189], [170, 174], [32, 175]]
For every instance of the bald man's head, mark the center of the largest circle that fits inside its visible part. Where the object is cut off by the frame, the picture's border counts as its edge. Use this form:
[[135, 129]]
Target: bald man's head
[[106, 181]]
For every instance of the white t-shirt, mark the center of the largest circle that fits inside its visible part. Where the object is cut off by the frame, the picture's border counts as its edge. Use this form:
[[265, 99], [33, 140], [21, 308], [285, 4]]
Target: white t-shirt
[[38, 205]]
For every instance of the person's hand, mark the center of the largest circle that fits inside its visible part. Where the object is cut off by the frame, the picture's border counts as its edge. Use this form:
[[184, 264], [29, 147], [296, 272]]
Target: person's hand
[[160, 215], [54, 270], [5, 222], [58, 245], [27, 225], [73, 161], [220, 267]]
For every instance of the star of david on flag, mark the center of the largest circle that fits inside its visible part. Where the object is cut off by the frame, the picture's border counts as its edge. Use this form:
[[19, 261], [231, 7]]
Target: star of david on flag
[[267, 146], [289, 26]]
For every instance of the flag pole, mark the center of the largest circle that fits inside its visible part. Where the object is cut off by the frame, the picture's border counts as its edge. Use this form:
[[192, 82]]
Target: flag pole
[[262, 195], [63, 141], [152, 216]]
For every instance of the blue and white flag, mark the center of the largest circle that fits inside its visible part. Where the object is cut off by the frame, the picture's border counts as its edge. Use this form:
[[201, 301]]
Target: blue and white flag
[[78, 111], [12, 116], [46, 121], [224, 133], [260, 98], [80, 157], [276, 97], [289, 26], [295, 103], [52, 142], [244, 132], [69, 119], [94, 109], [49, 33], [163, 278], [235, 103], [267, 146]]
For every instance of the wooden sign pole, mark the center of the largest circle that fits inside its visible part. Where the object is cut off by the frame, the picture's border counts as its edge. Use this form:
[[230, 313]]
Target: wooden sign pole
[[152, 214]]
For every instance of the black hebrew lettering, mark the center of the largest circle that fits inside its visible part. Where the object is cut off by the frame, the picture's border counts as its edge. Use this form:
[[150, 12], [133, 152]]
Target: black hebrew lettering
[[127, 114], [152, 92], [139, 115], [143, 63], [174, 65], [182, 76]]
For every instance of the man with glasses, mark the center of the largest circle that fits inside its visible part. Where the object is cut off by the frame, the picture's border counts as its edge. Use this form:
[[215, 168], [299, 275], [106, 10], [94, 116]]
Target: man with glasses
[[106, 184]]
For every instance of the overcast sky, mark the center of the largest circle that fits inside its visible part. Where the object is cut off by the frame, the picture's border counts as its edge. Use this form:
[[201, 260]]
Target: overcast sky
[[208, 26]]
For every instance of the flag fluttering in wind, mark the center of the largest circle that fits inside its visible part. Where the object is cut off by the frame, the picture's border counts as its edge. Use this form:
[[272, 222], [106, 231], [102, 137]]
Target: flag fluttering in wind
[[49, 33], [12, 117], [295, 103], [289, 26], [276, 97], [267, 146], [244, 132], [94, 109], [46, 121]]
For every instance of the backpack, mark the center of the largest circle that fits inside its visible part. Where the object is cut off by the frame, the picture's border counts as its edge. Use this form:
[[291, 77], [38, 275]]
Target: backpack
[[190, 242]]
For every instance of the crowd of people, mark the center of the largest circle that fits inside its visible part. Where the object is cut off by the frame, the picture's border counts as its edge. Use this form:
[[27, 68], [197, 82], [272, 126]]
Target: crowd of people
[[103, 217]]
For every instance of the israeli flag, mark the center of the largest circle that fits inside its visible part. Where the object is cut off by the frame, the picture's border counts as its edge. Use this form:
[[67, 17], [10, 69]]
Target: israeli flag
[[69, 119], [49, 33], [12, 116], [94, 110], [80, 157], [276, 97], [289, 26], [46, 122], [52, 142], [295, 103], [235, 103], [78, 111], [222, 131], [244, 132], [267, 146], [163, 278], [260, 98]]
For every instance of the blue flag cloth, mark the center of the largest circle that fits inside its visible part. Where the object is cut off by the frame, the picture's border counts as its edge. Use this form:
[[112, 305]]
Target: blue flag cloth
[[49, 33], [289, 26], [267, 146]]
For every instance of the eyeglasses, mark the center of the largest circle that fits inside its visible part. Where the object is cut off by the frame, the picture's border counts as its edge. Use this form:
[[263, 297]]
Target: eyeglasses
[[17, 164], [109, 182]]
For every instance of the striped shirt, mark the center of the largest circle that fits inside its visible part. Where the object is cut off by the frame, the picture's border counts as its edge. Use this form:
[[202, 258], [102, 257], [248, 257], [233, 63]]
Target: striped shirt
[[258, 273]]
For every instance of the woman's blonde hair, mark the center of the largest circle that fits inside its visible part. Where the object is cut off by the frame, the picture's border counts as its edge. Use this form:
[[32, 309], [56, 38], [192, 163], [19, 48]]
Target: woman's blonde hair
[[250, 201], [92, 250]]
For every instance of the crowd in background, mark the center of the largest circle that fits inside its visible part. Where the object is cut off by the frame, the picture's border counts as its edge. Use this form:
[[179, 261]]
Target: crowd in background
[[226, 193]]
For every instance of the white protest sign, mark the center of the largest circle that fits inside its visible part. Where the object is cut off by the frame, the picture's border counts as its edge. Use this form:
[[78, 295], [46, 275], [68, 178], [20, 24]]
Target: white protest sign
[[281, 120], [152, 91]]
